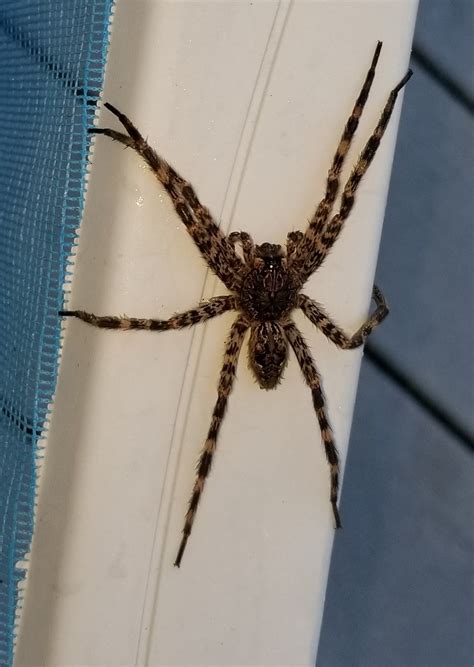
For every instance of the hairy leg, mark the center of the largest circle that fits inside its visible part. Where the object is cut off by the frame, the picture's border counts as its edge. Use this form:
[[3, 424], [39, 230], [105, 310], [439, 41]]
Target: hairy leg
[[213, 245], [310, 255], [213, 307], [315, 313], [311, 376], [334, 227], [323, 210], [233, 347]]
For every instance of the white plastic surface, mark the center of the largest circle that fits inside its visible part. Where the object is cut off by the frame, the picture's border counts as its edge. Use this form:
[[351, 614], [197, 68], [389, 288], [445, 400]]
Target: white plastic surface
[[248, 101]]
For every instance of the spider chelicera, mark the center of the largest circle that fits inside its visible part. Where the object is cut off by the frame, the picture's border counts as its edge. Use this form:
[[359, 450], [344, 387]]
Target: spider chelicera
[[265, 282]]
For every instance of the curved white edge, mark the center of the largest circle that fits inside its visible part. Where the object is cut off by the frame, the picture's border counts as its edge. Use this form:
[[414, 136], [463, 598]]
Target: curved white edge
[[248, 101]]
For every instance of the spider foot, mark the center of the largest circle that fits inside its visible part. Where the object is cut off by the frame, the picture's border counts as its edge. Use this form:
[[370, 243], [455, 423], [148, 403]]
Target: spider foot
[[405, 80], [181, 549]]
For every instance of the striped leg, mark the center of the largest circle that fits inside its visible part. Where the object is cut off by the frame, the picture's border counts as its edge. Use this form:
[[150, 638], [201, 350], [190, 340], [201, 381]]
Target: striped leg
[[332, 186], [213, 245], [233, 347], [213, 307], [311, 237], [334, 226], [311, 375], [315, 246], [315, 313]]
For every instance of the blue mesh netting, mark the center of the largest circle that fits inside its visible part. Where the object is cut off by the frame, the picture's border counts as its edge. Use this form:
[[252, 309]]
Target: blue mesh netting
[[52, 55]]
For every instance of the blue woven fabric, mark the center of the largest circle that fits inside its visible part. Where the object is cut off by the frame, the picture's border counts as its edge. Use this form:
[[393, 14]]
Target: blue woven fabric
[[52, 55]]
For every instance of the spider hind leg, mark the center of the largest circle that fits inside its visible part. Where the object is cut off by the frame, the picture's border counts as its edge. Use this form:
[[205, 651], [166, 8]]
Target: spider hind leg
[[233, 347], [311, 376]]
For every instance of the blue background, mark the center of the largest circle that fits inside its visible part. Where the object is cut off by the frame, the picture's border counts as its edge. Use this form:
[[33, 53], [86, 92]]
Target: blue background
[[52, 56]]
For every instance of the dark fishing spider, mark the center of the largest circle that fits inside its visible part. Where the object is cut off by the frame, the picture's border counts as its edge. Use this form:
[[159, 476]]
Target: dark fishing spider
[[265, 285]]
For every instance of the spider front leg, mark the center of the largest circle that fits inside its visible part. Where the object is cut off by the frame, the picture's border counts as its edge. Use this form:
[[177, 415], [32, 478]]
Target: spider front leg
[[315, 313], [233, 347], [332, 185], [213, 307], [317, 222], [311, 376], [320, 238], [335, 225], [203, 229]]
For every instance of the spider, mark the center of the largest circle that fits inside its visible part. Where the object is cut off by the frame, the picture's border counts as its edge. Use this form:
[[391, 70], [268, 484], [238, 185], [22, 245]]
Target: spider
[[265, 283]]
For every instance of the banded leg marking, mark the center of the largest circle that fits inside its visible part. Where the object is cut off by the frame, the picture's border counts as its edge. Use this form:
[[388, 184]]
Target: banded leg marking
[[233, 347], [311, 376], [206, 311], [315, 313]]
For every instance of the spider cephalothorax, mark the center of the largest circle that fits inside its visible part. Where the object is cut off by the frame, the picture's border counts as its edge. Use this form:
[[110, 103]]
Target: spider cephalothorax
[[265, 285], [268, 290]]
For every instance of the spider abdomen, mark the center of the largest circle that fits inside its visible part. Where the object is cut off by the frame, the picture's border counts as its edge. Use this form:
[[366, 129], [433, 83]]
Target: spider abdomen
[[268, 353]]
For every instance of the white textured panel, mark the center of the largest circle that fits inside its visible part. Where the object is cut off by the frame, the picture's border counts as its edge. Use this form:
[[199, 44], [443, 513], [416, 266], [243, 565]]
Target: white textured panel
[[248, 101]]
